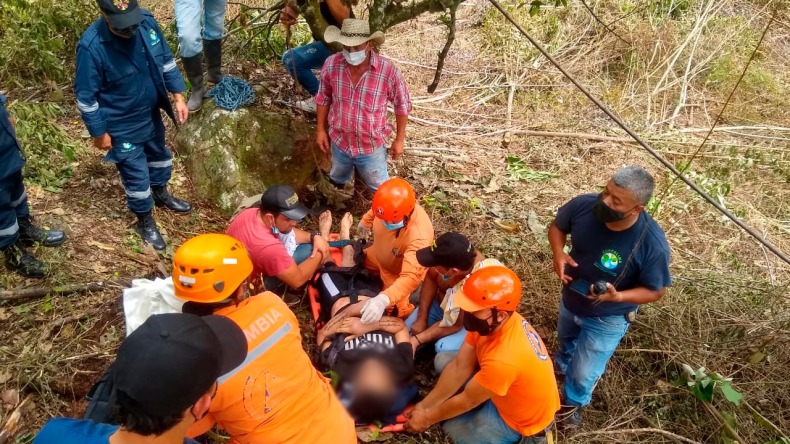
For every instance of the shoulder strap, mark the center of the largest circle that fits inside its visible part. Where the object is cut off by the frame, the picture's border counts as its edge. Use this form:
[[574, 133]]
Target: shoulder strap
[[102, 400]]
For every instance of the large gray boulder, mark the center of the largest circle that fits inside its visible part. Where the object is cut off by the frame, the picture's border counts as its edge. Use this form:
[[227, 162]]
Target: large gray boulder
[[232, 155]]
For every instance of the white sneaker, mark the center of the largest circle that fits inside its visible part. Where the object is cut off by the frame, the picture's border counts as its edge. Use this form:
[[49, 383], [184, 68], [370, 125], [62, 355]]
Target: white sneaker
[[307, 105]]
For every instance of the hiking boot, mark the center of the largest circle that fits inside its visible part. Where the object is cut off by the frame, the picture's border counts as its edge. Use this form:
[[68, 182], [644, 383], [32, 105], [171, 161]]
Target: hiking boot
[[19, 260], [149, 232], [307, 105], [163, 198], [30, 234], [213, 51], [193, 66], [572, 418]]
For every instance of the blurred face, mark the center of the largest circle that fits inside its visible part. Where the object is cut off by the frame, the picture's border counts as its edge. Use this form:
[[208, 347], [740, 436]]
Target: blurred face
[[446, 273], [620, 199], [482, 321], [362, 47], [373, 376], [280, 222], [284, 224]]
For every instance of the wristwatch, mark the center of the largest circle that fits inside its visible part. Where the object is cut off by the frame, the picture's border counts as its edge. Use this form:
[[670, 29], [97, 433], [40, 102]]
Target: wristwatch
[[313, 234]]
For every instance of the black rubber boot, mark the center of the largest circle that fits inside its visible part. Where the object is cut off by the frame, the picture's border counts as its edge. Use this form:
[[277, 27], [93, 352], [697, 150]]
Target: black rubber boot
[[19, 260], [193, 66], [213, 51], [163, 198], [147, 229], [30, 234]]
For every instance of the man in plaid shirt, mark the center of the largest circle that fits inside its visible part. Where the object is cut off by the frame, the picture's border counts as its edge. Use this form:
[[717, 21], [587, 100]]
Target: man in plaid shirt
[[356, 86]]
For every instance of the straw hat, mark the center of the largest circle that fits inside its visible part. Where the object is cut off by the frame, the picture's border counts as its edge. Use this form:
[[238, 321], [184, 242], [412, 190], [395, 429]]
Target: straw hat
[[353, 32]]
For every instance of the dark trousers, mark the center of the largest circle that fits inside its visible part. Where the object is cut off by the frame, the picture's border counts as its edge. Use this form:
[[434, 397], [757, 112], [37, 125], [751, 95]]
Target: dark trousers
[[13, 205], [141, 166]]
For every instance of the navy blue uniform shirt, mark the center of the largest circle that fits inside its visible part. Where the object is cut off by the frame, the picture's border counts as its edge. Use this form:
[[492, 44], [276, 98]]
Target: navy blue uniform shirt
[[11, 159], [112, 82], [602, 254]]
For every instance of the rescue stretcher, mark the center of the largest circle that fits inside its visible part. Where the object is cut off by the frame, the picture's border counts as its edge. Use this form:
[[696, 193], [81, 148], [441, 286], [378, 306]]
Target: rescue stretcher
[[315, 308]]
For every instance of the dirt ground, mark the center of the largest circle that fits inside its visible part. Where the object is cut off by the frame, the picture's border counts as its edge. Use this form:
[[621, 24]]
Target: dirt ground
[[478, 171]]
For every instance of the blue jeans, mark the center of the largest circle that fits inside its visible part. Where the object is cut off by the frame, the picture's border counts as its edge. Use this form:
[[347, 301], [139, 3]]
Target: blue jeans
[[451, 343], [300, 63], [483, 424], [141, 166], [189, 14], [372, 168], [586, 344], [302, 252], [13, 205]]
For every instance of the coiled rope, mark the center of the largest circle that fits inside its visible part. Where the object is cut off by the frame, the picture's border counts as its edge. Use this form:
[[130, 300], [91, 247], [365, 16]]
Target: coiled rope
[[231, 93]]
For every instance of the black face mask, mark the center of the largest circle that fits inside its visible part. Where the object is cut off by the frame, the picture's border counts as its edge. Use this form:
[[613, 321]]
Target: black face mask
[[126, 33], [604, 214], [480, 326]]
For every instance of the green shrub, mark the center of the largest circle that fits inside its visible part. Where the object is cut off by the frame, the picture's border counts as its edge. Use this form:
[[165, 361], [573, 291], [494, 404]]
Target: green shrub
[[48, 148], [39, 38]]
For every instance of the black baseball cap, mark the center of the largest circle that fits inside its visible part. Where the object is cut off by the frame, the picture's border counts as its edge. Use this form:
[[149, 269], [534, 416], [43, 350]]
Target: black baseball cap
[[121, 13], [282, 199], [172, 360], [450, 250]]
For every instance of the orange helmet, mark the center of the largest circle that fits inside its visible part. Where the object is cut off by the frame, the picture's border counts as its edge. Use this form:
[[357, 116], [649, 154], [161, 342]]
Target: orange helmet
[[490, 287], [210, 267], [394, 200]]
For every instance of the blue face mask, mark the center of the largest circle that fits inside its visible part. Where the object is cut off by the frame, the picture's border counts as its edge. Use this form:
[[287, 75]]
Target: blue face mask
[[445, 277], [393, 227]]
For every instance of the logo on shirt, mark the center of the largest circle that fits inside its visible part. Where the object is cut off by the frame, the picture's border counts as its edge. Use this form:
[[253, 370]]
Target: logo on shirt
[[123, 5], [611, 259], [534, 341], [154, 37]]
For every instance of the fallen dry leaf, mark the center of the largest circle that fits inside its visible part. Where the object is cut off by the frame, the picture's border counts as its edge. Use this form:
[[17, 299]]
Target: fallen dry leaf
[[507, 226], [5, 376], [97, 244], [10, 398]]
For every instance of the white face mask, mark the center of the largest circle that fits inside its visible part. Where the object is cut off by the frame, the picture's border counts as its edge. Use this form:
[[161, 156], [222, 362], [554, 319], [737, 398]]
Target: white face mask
[[355, 58]]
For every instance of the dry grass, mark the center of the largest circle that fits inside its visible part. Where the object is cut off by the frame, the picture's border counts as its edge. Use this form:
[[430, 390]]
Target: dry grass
[[729, 301]]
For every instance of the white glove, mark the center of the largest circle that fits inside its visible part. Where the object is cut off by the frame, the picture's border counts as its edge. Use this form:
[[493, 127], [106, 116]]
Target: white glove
[[363, 230], [374, 308]]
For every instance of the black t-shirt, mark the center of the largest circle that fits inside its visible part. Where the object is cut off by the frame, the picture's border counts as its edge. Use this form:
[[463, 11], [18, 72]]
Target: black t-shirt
[[602, 254], [398, 357]]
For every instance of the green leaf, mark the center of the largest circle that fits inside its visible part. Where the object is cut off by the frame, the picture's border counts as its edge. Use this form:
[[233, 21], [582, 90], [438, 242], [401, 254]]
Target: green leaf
[[731, 394], [703, 392], [534, 8]]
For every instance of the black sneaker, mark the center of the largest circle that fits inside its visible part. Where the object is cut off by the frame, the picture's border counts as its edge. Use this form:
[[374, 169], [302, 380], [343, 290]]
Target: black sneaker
[[19, 260]]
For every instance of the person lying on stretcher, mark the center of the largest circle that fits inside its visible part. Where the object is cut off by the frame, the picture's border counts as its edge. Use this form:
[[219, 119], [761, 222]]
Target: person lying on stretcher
[[373, 363]]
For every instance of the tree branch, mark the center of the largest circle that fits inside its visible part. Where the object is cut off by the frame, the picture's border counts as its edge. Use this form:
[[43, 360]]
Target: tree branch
[[446, 49]]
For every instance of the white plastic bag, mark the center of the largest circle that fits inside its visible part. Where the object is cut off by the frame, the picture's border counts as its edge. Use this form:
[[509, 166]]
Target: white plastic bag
[[146, 298]]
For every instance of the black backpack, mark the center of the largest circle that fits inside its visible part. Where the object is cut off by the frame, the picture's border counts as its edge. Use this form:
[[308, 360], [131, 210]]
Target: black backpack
[[102, 400]]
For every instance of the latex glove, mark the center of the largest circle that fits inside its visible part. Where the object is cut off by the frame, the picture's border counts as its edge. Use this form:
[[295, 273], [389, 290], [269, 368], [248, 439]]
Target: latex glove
[[374, 308], [363, 230]]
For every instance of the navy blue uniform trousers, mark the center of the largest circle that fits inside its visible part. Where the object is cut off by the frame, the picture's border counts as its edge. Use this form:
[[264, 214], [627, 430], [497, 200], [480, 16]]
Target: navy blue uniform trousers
[[143, 165], [13, 205]]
